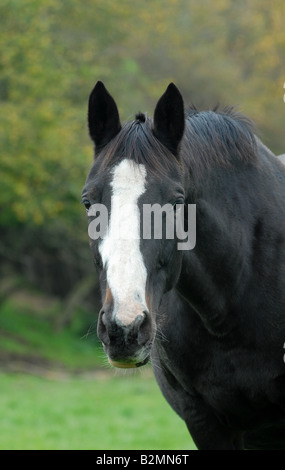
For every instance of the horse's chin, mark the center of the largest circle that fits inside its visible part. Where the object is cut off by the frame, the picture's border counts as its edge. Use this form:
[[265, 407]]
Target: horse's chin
[[128, 365]]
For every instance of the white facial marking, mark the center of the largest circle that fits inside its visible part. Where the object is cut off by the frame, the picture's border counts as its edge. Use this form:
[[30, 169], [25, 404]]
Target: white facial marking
[[120, 249]]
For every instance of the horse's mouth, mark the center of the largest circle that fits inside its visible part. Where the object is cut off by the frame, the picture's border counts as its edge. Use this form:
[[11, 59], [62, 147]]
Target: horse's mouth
[[128, 365]]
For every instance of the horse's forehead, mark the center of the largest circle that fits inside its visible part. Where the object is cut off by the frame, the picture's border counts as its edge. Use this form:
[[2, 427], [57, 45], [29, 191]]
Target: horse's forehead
[[128, 176], [135, 182], [130, 181]]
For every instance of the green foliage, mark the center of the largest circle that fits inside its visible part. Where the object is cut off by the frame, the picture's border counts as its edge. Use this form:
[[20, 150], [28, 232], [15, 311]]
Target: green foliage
[[29, 338], [53, 52]]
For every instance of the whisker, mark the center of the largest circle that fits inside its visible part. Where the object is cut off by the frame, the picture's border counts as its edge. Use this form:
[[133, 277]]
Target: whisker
[[155, 365], [91, 331], [160, 335]]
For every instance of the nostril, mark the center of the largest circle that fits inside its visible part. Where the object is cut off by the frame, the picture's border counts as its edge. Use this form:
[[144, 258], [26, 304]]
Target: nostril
[[102, 328], [145, 328], [138, 321]]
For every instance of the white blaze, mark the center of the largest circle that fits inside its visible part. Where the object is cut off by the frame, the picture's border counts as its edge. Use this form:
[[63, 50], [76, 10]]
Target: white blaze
[[120, 249]]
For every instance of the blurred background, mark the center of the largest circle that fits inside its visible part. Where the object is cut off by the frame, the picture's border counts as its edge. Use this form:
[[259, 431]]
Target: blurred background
[[51, 55]]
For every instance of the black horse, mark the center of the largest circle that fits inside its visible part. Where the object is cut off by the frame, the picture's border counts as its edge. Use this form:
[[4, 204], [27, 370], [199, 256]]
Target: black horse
[[211, 317]]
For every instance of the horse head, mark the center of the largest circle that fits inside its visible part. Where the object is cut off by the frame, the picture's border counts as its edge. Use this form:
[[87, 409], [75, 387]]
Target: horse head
[[133, 195]]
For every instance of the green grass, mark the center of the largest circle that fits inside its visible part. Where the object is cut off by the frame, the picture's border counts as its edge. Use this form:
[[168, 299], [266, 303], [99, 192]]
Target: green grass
[[99, 408], [104, 413]]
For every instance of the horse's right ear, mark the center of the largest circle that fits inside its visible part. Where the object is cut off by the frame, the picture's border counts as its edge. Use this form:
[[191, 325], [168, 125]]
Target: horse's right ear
[[103, 116]]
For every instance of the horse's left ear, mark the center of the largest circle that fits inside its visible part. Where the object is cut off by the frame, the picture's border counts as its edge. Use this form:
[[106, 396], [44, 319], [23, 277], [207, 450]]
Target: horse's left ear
[[169, 118]]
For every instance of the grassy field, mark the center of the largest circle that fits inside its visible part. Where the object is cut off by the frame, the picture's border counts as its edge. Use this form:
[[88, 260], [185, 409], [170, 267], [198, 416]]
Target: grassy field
[[106, 412], [28, 334], [67, 398]]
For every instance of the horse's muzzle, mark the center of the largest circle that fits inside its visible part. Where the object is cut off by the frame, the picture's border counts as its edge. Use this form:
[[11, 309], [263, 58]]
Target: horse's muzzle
[[127, 346]]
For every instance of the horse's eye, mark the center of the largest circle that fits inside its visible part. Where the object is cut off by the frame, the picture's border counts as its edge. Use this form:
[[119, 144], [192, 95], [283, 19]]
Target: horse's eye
[[180, 201], [86, 204]]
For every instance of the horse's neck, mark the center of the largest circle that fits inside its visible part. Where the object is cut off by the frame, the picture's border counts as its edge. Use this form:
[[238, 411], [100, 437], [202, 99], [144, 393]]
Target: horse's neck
[[230, 218], [230, 203], [215, 270]]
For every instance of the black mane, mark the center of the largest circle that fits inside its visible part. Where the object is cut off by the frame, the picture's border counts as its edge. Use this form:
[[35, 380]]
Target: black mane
[[219, 137], [212, 137], [137, 142]]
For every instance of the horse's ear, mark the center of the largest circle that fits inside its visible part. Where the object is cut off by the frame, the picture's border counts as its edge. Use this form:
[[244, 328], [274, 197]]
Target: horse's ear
[[103, 116], [169, 118]]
